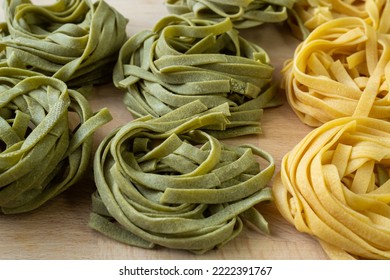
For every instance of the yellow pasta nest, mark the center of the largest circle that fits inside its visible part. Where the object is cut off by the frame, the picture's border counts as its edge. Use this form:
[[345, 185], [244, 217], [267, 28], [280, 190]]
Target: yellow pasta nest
[[164, 181], [306, 15], [74, 41], [330, 70], [243, 13], [335, 185], [45, 138]]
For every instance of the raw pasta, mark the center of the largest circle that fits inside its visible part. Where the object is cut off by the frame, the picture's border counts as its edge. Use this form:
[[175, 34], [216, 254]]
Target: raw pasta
[[335, 183], [75, 41], [243, 13], [41, 155], [306, 15], [330, 71], [183, 60], [164, 181]]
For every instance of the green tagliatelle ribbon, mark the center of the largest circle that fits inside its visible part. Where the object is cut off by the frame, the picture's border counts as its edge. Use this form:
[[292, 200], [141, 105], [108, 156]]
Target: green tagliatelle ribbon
[[74, 41], [183, 60], [162, 181], [243, 13], [41, 156], [3, 32]]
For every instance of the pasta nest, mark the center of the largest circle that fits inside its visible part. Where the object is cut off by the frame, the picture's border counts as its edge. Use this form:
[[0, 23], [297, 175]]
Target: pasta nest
[[182, 60], [329, 73], [45, 138], [243, 13], [66, 40], [307, 15], [335, 185], [164, 181]]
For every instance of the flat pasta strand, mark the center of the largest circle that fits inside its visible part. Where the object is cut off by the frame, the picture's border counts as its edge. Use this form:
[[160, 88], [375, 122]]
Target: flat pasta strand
[[41, 154], [330, 186], [331, 69], [243, 13], [164, 181], [334, 184], [65, 40], [307, 15], [183, 60]]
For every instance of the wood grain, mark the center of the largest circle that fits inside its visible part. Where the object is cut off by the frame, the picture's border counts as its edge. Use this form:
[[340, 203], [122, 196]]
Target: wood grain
[[59, 230]]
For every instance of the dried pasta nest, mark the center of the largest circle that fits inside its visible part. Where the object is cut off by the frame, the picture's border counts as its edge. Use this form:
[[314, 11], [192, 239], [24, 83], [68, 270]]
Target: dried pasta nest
[[164, 181], [45, 138], [335, 185], [306, 15], [74, 41], [182, 60], [330, 71], [243, 13]]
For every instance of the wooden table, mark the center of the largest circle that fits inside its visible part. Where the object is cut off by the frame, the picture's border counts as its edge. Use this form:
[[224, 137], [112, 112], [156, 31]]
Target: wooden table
[[59, 230]]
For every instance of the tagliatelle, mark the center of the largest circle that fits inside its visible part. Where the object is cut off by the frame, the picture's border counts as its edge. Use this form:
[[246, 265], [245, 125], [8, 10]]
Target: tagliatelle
[[162, 181], [335, 183], [41, 155], [306, 15], [183, 60], [243, 13], [74, 41], [331, 69], [3, 32]]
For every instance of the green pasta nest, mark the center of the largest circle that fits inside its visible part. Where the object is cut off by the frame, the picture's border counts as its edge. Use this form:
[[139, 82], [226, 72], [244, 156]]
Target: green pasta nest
[[162, 181], [45, 138], [74, 41], [182, 60], [243, 13]]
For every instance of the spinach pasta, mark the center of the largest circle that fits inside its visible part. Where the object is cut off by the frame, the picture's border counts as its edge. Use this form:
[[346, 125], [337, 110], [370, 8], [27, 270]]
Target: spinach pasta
[[164, 181], [45, 138], [243, 13], [182, 60], [74, 41]]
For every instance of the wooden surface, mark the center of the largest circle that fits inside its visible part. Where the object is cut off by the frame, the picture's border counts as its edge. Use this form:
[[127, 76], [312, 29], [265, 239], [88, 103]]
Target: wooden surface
[[59, 230]]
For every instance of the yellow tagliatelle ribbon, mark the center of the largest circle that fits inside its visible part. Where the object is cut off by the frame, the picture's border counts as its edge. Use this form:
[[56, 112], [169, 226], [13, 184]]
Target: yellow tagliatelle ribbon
[[243, 13], [306, 15], [183, 60], [164, 182], [41, 155], [74, 41], [335, 183], [331, 69]]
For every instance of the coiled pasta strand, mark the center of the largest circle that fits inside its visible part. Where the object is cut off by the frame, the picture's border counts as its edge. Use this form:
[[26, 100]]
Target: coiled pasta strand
[[334, 184], [163, 181], [306, 15], [243, 13], [66, 40], [183, 60], [41, 155], [331, 70]]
